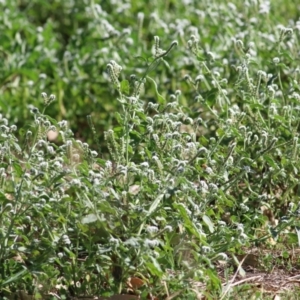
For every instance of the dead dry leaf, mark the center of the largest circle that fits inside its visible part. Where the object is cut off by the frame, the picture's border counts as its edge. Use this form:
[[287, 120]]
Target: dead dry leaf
[[134, 189], [135, 282]]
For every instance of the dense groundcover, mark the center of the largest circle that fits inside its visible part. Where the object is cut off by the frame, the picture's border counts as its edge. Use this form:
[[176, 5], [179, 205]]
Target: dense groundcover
[[148, 150]]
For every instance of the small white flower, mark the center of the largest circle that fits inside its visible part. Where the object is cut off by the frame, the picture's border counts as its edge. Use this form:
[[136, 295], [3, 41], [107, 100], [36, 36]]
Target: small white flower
[[151, 243], [144, 164], [134, 242], [44, 165], [50, 150], [13, 128], [213, 187], [62, 124], [240, 227], [108, 164], [168, 228], [209, 170], [69, 143], [223, 256], [152, 229], [221, 223], [94, 153], [75, 182], [66, 239], [115, 241], [243, 236], [203, 186], [44, 95], [206, 249]]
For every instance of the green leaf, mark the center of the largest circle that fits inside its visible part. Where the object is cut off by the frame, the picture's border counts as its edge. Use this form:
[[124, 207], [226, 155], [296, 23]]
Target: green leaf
[[238, 263], [18, 169], [118, 129], [209, 223], [142, 115], [210, 96], [160, 99], [17, 147], [135, 135], [53, 121], [220, 132], [270, 161], [71, 254], [292, 238], [285, 254], [15, 277], [90, 218], [3, 198], [125, 87], [154, 267], [203, 141], [200, 57], [188, 224], [119, 118], [139, 57], [155, 204], [57, 178]]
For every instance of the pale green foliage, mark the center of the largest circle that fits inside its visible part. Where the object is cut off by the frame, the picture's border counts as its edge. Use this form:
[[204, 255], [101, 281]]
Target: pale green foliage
[[205, 135]]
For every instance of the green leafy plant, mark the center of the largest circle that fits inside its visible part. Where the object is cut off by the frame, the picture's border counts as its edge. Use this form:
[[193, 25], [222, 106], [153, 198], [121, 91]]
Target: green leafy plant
[[198, 162]]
